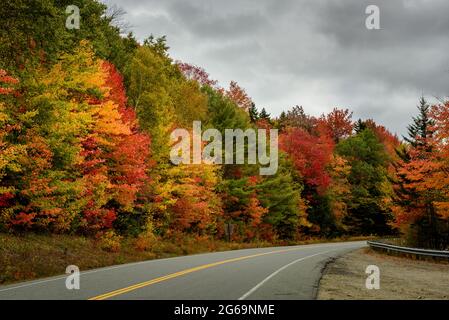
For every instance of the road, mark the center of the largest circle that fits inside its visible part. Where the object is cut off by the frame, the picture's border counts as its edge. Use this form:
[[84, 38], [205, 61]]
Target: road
[[263, 273]]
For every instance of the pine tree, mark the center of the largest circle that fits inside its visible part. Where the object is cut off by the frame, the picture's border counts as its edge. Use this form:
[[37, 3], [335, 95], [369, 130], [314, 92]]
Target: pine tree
[[421, 128], [359, 126], [281, 121], [407, 197], [264, 115], [253, 113]]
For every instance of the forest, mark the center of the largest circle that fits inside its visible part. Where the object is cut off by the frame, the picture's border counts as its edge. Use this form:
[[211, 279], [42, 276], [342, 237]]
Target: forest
[[85, 122]]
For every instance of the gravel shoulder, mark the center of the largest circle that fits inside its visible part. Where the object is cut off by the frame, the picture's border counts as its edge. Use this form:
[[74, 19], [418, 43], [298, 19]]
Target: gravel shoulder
[[400, 278]]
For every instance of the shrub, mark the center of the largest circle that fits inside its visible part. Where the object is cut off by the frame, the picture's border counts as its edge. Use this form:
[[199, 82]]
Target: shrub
[[145, 241], [110, 241]]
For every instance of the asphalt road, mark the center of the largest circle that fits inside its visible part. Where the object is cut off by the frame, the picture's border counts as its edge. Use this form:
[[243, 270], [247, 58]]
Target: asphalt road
[[265, 273]]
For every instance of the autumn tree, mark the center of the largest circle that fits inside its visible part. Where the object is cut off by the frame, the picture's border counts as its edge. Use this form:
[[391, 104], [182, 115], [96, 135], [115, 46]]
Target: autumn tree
[[242, 208], [85, 123], [420, 190], [338, 122], [192, 205], [311, 155], [126, 154], [50, 134], [10, 153], [80, 169], [196, 73], [337, 196], [149, 75], [239, 96]]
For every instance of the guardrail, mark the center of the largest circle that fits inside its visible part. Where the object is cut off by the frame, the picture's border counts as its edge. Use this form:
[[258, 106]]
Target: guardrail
[[413, 251]]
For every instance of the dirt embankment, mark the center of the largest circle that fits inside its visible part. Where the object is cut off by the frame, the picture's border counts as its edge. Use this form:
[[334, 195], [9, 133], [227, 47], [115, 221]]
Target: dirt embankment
[[400, 278]]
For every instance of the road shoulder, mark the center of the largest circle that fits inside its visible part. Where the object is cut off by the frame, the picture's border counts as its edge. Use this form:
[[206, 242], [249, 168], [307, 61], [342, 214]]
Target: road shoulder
[[400, 278]]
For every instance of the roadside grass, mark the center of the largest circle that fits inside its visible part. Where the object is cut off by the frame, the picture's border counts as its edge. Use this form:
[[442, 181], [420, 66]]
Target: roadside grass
[[32, 256]]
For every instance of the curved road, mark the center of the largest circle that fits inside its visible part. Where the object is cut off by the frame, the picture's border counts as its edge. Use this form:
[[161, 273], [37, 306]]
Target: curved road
[[263, 273]]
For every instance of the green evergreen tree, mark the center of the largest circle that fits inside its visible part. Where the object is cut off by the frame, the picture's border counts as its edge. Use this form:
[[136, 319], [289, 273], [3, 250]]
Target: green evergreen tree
[[281, 194], [253, 113], [421, 127], [359, 126], [368, 161], [281, 122], [264, 115]]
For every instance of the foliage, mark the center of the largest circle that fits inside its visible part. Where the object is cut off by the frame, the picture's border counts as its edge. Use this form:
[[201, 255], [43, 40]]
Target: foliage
[[338, 123], [368, 183], [421, 197], [84, 160], [34, 32], [239, 96], [85, 123]]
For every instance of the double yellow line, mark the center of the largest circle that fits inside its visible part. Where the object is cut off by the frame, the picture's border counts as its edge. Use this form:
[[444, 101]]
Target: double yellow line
[[180, 273]]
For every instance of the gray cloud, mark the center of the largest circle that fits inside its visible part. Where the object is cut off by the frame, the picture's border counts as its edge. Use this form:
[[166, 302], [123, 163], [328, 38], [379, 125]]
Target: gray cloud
[[313, 53]]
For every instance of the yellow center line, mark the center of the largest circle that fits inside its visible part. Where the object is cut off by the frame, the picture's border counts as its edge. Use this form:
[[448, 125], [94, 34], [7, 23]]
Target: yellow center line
[[180, 273]]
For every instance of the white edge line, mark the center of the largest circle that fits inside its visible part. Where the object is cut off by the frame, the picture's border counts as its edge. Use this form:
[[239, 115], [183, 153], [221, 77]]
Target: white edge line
[[260, 284]]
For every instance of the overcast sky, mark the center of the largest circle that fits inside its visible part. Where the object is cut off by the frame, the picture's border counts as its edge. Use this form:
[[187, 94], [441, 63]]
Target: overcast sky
[[315, 53]]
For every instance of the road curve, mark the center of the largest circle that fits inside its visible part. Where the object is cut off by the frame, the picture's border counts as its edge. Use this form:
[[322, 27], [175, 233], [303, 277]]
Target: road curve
[[263, 273]]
